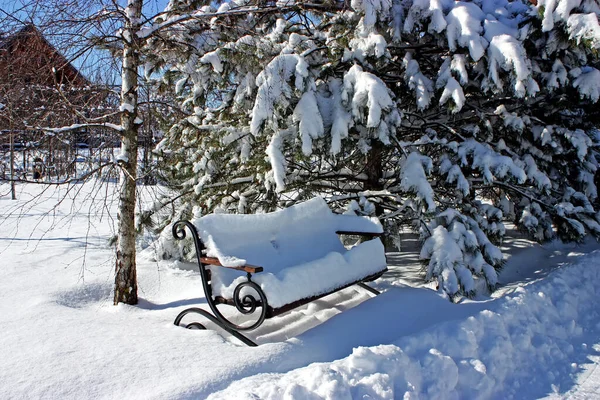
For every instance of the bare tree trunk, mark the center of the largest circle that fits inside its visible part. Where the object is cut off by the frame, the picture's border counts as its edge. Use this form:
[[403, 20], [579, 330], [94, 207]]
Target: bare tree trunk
[[24, 156], [374, 171], [12, 164], [126, 279]]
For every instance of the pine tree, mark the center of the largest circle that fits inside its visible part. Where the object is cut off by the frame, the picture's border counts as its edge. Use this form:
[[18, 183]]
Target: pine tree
[[445, 116]]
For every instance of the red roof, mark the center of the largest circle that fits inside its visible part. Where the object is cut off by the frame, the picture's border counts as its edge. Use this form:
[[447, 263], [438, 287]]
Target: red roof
[[28, 55]]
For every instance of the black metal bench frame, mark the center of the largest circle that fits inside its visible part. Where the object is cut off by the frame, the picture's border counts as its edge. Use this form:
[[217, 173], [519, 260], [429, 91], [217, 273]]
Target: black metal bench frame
[[248, 304]]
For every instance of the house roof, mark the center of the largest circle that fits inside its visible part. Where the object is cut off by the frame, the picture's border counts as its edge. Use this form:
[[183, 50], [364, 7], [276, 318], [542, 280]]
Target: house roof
[[10, 43]]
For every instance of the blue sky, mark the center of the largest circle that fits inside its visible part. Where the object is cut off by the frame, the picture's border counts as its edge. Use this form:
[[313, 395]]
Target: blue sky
[[150, 6]]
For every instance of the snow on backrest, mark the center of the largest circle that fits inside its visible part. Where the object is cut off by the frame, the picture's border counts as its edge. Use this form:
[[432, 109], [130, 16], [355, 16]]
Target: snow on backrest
[[277, 240], [353, 223]]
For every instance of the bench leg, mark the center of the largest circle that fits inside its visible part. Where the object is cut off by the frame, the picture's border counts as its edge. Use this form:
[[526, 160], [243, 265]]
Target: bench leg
[[369, 288], [214, 319], [246, 304]]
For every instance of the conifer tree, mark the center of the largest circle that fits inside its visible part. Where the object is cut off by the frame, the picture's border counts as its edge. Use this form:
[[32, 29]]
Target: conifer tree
[[449, 117]]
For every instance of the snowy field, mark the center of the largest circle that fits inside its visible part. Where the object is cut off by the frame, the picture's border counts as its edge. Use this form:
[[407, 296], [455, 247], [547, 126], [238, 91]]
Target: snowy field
[[61, 337]]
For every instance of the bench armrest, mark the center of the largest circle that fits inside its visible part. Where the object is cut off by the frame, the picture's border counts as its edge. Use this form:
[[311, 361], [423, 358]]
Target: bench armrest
[[215, 261], [371, 234]]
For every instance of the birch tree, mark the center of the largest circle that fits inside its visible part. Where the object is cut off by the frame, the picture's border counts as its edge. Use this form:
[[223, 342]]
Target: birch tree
[[101, 28], [94, 26], [131, 34], [125, 270]]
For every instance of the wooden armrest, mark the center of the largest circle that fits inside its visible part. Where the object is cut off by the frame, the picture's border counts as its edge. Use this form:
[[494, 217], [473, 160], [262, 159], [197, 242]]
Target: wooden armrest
[[372, 234], [215, 261]]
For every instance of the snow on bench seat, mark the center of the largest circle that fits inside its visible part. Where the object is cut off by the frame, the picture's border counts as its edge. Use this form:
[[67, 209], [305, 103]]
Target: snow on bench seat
[[298, 248]]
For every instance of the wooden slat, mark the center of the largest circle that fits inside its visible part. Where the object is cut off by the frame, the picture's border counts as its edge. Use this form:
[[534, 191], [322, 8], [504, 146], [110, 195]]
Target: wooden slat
[[215, 261], [372, 234]]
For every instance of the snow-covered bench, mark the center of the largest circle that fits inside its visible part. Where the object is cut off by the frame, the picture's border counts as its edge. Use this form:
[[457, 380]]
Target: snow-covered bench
[[278, 261]]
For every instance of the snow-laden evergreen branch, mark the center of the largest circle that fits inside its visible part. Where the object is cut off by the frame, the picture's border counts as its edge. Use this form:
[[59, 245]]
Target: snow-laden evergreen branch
[[449, 117]]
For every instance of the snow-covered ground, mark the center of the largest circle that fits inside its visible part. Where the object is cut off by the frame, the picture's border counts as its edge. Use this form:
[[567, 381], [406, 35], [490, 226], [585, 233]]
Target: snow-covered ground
[[61, 337]]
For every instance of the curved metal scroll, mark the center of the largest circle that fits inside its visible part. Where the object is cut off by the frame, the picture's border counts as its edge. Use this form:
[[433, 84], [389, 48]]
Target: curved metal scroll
[[214, 319], [245, 305]]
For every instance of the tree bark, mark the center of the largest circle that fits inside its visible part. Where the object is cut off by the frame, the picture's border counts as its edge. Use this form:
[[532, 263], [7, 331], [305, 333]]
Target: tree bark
[[12, 165], [125, 274], [374, 171]]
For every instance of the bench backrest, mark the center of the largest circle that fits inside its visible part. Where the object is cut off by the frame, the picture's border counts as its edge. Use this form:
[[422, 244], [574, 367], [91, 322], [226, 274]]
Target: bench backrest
[[281, 239]]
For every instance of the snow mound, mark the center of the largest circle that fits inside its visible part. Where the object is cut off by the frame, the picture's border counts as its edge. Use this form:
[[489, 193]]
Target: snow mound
[[524, 345]]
